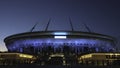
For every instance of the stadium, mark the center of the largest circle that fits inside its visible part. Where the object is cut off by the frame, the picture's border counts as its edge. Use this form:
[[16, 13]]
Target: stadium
[[63, 47], [59, 42], [70, 44]]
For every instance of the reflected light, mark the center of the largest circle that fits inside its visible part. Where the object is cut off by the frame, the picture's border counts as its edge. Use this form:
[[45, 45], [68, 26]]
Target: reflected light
[[86, 56], [57, 55], [60, 33], [25, 56]]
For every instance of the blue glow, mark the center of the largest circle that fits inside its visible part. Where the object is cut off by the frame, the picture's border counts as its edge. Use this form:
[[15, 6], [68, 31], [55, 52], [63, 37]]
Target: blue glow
[[60, 33], [56, 43]]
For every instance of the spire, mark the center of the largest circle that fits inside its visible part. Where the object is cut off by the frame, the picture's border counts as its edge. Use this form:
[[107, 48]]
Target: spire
[[33, 27], [87, 27], [47, 25], [71, 24]]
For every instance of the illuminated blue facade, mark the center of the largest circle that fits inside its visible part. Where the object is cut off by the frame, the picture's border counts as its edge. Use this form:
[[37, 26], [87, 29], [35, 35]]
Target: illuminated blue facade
[[69, 42]]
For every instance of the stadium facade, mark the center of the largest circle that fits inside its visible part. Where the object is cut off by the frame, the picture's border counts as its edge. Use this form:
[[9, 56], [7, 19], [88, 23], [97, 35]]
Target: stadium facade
[[59, 42], [62, 47]]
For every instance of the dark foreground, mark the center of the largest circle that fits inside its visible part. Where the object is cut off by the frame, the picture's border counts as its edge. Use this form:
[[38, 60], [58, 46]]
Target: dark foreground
[[55, 66]]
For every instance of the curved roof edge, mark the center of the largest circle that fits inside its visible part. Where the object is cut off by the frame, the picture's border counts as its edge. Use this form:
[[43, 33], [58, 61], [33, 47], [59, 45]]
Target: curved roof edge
[[38, 33]]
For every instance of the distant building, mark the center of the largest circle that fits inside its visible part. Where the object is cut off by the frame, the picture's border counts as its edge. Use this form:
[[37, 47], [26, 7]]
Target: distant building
[[16, 58], [101, 59]]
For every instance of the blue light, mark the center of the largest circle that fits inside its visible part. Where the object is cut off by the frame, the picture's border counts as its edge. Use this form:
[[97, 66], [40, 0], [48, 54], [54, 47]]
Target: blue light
[[91, 43], [60, 33]]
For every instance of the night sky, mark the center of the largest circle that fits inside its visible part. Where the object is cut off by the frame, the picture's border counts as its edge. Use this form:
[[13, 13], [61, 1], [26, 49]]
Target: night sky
[[17, 16]]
